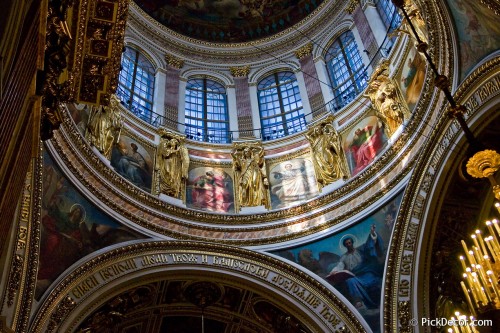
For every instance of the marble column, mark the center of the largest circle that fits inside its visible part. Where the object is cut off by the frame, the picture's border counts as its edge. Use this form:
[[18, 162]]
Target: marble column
[[172, 88], [243, 110]]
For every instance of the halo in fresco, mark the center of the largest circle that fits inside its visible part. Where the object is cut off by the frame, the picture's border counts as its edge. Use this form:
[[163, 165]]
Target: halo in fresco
[[356, 268]]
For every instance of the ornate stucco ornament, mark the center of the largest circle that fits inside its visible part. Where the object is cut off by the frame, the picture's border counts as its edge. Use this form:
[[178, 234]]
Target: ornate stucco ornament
[[240, 71], [174, 61], [304, 51]]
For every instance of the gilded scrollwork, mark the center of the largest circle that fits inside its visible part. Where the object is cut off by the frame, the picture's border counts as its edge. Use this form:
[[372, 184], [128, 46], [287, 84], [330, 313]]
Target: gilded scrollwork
[[174, 61], [104, 126], [387, 99], [250, 175], [329, 159], [304, 51], [172, 163], [240, 71]]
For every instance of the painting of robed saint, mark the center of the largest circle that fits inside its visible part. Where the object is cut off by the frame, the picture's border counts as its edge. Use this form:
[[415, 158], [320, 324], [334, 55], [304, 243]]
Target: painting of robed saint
[[353, 260], [210, 189]]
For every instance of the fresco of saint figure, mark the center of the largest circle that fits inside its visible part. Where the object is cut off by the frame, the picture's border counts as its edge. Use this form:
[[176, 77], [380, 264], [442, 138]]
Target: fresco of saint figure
[[353, 260], [210, 189], [292, 182]]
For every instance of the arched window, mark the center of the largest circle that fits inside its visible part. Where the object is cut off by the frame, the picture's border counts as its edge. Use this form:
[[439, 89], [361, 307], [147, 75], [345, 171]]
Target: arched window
[[206, 111], [280, 105], [346, 69], [392, 20], [136, 84]]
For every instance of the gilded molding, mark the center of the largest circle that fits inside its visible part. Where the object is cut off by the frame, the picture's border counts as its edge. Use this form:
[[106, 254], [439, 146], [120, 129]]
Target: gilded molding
[[15, 278], [493, 5], [242, 71], [304, 51], [351, 6], [174, 61]]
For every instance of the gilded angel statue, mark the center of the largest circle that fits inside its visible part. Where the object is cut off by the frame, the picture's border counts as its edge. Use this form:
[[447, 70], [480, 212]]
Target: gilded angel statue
[[104, 126], [248, 165], [328, 155], [172, 163]]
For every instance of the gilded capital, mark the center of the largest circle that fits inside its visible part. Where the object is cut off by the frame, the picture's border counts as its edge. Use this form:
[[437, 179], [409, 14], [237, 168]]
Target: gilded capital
[[351, 6], [174, 61], [483, 164], [304, 51], [240, 71]]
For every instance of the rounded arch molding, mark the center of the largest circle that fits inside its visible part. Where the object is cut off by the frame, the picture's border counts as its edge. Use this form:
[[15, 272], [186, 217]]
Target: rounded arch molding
[[419, 212], [100, 279]]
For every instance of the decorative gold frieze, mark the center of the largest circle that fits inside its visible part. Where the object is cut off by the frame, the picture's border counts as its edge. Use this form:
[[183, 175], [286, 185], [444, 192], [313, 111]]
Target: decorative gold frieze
[[99, 32], [493, 5], [172, 164], [63, 308], [174, 61], [387, 99], [351, 6], [250, 175], [15, 278], [83, 49], [240, 71], [304, 51]]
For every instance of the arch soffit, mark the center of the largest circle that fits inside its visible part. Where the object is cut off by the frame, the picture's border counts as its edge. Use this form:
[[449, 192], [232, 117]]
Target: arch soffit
[[217, 76], [419, 206], [80, 292], [262, 73], [324, 44], [145, 50]]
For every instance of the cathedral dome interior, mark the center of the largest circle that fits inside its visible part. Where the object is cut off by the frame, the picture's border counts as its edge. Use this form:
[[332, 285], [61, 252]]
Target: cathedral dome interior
[[243, 166]]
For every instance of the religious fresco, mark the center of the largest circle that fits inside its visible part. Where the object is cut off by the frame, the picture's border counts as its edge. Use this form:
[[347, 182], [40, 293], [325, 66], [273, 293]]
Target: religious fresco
[[228, 21], [210, 189], [72, 227], [292, 182], [353, 260], [412, 77], [477, 37], [363, 143], [134, 162]]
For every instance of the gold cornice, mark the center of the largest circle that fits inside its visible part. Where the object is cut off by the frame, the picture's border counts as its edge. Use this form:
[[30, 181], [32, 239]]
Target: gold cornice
[[304, 51], [240, 71]]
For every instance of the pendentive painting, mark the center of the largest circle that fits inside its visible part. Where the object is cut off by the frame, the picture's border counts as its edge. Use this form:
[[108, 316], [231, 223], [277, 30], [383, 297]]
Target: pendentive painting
[[71, 228], [133, 162], [412, 77], [210, 189], [363, 143], [353, 260], [477, 37], [292, 182]]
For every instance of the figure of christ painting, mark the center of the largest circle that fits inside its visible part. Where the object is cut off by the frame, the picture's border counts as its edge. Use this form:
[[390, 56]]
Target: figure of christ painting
[[364, 143], [71, 227], [210, 189], [412, 77], [353, 260], [477, 38], [292, 182], [132, 161]]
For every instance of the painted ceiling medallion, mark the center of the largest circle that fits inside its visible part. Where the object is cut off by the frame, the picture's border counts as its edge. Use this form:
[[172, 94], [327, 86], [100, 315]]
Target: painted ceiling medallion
[[228, 21]]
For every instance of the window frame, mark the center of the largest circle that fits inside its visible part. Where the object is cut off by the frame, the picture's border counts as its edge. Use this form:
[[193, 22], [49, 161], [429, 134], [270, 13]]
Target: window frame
[[136, 84], [207, 107], [280, 127], [356, 80]]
